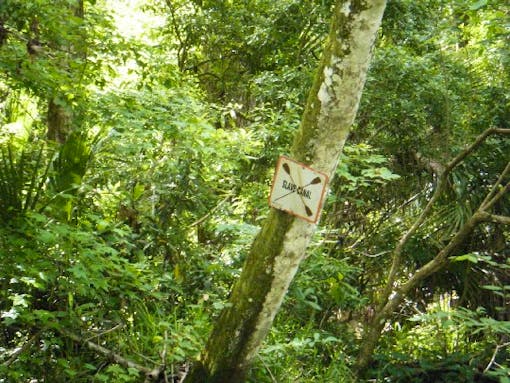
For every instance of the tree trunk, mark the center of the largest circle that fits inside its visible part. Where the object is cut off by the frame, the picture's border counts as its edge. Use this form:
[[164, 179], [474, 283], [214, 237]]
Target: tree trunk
[[59, 117], [280, 246], [59, 122]]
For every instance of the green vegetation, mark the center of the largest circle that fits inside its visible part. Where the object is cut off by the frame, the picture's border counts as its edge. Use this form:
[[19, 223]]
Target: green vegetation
[[137, 147]]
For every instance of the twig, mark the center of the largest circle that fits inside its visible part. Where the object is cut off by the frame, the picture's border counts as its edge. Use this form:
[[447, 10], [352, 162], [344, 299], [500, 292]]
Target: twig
[[120, 325], [20, 350], [151, 374], [494, 354], [200, 220], [273, 379], [495, 194]]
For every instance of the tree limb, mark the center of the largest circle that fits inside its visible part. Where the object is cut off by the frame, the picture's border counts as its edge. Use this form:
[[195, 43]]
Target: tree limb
[[496, 192], [151, 374], [20, 350], [392, 295], [487, 217], [211, 212], [442, 174], [495, 353]]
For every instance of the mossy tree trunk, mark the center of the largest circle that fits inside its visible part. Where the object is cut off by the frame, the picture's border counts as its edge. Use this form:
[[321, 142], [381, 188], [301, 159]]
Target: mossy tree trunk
[[280, 246]]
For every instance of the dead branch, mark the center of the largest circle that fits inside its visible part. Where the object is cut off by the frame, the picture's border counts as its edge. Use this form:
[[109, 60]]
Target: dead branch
[[150, 374]]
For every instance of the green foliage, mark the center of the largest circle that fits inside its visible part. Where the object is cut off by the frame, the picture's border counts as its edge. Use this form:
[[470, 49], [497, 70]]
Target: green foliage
[[52, 47], [225, 42], [290, 352], [446, 343], [131, 233], [23, 175]]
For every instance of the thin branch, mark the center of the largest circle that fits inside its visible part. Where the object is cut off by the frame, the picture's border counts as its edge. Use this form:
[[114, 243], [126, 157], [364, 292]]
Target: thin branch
[[442, 178], [439, 260], [495, 218], [496, 192], [20, 350], [268, 369], [434, 265], [119, 326], [149, 373], [469, 149], [211, 212], [493, 359]]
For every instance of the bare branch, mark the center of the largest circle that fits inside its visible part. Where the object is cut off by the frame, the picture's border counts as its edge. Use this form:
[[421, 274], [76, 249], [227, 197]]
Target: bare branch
[[201, 220], [487, 217], [151, 374], [119, 326], [20, 350], [469, 149], [496, 192], [493, 358], [443, 173]]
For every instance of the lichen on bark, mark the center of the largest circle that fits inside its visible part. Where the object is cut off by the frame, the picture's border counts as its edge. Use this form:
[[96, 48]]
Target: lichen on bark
[[334, 98]]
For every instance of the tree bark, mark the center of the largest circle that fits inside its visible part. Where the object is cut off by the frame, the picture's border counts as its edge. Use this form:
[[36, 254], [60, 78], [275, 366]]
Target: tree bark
[[59, 122], [60, 118], [280, 246]]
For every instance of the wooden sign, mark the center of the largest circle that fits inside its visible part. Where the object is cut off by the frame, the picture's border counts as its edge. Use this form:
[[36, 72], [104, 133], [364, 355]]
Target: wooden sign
[[298, 189]]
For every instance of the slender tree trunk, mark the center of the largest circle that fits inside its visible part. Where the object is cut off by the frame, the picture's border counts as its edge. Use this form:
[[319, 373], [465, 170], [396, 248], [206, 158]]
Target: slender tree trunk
[[60, 118], [59, 122], [280, 246]]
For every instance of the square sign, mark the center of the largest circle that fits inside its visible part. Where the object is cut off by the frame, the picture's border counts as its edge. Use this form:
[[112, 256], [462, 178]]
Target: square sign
[[298, 189]]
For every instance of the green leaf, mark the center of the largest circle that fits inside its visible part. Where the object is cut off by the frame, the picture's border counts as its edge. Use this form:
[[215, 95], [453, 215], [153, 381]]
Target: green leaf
[[477, 5], [19, 300], [471, 257], [138, 191], [492, 288]]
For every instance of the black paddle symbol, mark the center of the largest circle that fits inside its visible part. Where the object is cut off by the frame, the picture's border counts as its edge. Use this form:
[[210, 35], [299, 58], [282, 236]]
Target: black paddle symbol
[[315, 181]]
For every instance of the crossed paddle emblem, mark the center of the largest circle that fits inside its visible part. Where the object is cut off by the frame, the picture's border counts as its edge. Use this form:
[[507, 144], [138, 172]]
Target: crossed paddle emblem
[[295, 179]]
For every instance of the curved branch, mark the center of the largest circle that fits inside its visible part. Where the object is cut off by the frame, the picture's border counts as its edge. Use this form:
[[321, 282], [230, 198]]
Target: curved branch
[[496, 192], [442, 178], [20, 350]]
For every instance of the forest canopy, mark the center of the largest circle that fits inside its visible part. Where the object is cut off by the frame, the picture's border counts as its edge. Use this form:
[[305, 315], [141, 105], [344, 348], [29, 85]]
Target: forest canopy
[[138, 143]]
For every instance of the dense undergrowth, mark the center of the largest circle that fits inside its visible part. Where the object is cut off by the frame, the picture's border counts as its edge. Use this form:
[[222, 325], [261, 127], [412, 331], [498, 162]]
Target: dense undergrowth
[[119, 246]]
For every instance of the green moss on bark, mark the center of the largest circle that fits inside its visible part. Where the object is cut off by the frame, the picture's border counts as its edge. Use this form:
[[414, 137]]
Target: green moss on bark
[[235, 325]]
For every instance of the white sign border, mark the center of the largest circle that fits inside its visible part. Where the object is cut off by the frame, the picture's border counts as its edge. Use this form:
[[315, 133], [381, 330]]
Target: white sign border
[[323, 192]]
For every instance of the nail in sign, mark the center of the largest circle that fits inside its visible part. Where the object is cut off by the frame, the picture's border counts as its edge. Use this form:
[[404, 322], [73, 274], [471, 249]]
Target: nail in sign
[[298, 189]]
